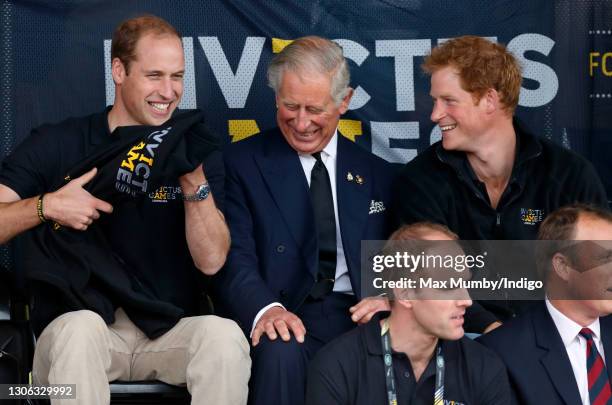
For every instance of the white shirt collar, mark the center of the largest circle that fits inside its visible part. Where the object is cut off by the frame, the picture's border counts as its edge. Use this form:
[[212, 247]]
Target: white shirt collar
[[567, 328], [331, 149]]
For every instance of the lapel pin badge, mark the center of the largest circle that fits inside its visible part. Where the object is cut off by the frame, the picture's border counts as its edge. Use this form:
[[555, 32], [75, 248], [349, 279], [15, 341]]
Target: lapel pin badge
[[349, 176], [359, 180]]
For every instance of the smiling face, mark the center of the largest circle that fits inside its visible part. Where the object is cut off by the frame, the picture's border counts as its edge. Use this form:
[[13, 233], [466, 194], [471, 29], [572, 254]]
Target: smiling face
[[307, 115], [461, 119], [152, 89]]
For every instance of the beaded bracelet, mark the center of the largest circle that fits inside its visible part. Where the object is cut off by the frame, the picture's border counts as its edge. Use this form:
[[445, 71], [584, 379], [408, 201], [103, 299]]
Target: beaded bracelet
[[39, 209]]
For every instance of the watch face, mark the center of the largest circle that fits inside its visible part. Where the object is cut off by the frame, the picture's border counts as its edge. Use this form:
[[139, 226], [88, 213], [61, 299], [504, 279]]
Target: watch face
[[201, 193]]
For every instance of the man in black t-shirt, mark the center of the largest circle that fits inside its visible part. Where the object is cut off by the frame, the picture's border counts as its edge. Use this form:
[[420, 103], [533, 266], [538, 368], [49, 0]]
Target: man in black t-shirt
[[164, 240], [419, 352]]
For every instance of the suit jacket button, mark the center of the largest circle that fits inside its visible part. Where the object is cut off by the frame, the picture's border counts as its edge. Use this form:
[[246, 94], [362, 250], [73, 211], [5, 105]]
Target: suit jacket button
[[280, 248], [283, 294]]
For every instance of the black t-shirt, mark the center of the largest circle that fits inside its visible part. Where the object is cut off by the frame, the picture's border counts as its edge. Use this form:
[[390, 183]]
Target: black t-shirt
[[147, 234], [350, 371]]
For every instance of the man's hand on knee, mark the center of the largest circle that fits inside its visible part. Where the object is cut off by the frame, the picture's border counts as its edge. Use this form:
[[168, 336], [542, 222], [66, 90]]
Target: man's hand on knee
[[278, 321], [73, 206], [365, 309]]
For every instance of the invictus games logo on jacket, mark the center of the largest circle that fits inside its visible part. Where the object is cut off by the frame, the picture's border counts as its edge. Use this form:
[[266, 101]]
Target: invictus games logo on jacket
[[531, 216], [135, 169]]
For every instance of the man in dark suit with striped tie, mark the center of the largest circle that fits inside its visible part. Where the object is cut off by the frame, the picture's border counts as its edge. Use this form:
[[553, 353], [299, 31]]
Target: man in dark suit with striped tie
[[557, 353]]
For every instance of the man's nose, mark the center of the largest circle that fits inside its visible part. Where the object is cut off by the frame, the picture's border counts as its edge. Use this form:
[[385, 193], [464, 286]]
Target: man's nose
[[302, 121], [437, 112], [166, 89], [466, 301]]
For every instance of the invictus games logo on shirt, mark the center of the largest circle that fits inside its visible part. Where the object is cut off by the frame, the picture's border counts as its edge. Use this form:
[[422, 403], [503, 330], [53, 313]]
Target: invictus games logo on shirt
[[135, 169], [166, 193], [531, 216]]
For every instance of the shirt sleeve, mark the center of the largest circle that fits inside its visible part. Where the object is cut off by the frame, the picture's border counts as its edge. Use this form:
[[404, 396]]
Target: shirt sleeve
[[29, 170], [239, 284]]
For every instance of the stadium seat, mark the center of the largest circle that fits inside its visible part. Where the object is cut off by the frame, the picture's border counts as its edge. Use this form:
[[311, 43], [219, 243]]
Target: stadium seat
[[148, 392]]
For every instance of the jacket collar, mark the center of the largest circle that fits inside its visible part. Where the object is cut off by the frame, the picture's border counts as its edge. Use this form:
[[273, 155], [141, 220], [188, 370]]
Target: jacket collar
[[527, 147]]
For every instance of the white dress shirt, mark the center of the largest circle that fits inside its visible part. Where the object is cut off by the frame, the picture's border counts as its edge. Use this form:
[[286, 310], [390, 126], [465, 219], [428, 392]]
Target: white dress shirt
[[576, 347], [328, 156]]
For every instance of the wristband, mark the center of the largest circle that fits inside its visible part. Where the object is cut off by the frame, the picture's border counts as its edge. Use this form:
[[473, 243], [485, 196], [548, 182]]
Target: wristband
[[39, 209]]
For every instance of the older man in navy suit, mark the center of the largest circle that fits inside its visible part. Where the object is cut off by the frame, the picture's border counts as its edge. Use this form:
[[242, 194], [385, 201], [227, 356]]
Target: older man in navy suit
[[300, 198], [559, 352]]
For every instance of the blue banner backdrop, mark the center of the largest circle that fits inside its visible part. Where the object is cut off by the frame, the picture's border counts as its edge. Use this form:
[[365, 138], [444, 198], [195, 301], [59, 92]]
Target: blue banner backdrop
[[56, 55]]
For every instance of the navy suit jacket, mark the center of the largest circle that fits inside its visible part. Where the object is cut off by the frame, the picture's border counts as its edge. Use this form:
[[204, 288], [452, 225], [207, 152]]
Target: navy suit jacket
[[538, 365], [274, 252]]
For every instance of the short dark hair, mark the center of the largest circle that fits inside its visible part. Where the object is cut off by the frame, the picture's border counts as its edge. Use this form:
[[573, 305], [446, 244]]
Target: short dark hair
[[560, 228], [127, 34]]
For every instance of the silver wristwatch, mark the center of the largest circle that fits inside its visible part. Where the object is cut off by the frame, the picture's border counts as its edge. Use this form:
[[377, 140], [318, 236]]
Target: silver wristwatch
[[201, 193]]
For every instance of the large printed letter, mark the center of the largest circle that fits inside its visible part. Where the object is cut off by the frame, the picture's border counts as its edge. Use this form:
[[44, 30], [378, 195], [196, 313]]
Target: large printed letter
[[389, 140], [357, 53], [403, 51], [541, 73], [235, 87]]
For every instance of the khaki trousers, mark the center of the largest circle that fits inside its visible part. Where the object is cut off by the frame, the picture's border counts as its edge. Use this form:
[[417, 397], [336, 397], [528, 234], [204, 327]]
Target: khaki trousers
[[207, 353]]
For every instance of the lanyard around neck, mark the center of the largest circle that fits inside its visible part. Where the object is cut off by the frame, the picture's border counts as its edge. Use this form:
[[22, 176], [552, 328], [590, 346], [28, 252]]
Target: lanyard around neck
[[390, 378]]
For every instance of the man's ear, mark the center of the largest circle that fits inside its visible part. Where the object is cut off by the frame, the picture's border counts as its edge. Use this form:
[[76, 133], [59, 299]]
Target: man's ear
[[118, 71], [561, 266], [346, 101], [404, 303], [403, 297], [492, 102]]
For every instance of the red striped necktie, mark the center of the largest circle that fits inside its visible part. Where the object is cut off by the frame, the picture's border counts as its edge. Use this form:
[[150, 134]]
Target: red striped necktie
[[599, 384]]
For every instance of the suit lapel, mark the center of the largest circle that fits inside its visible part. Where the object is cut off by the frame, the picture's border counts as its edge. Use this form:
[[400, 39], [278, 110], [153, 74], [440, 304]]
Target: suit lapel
[[353, 205], [555, 359], [283, 174]]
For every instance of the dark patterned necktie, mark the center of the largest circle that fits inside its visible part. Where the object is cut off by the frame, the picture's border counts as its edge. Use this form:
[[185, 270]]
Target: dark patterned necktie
[[325, 221], [599, 385]]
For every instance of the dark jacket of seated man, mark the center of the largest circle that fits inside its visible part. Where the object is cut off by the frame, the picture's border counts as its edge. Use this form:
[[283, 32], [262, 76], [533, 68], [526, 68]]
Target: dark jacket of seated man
[[538, 365], [557, 353]]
